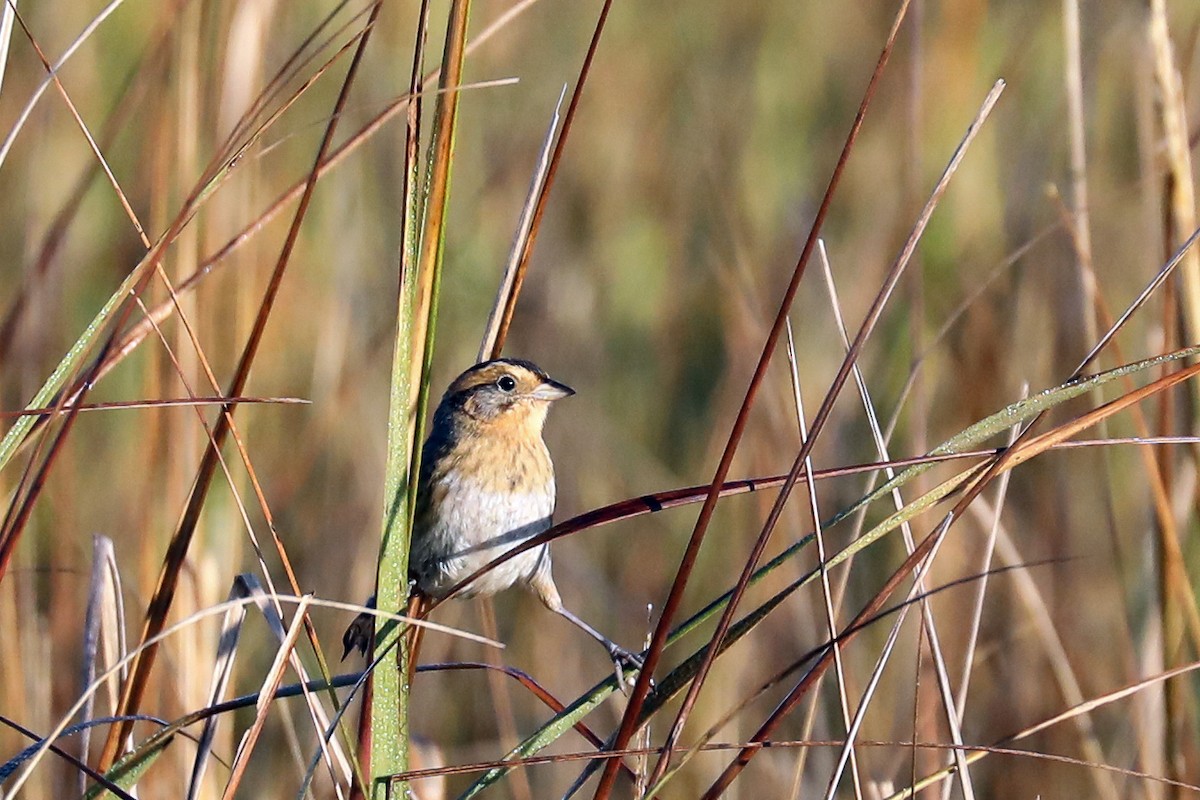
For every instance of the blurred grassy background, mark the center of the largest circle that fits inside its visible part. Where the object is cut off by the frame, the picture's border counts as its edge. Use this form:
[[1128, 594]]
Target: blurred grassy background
[[706, 136]]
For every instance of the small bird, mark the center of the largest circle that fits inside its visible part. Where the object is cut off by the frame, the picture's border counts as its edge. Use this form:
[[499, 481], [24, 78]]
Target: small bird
[[486, 485]]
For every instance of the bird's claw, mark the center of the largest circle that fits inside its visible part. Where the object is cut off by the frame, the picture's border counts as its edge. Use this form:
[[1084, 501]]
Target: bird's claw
[[625, 660]]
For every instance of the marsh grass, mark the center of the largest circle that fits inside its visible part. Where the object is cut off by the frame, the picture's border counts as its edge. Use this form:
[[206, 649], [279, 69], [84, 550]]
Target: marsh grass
[[218, 205]]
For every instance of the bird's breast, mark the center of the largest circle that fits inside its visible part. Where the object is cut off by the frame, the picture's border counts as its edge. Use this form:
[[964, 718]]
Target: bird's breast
[[468, 522]]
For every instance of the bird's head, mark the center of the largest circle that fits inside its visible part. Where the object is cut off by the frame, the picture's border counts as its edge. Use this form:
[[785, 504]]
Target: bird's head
[[505, 391]]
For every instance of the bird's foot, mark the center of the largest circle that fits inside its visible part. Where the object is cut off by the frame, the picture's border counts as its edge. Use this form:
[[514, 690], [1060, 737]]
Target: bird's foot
[[624, 660]]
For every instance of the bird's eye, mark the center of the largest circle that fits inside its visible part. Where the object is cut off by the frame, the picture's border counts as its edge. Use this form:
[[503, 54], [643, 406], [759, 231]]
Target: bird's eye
[[506, 383]]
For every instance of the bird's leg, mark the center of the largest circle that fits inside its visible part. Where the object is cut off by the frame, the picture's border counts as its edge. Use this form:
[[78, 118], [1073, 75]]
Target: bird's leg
[[543, 586], [620, 656]]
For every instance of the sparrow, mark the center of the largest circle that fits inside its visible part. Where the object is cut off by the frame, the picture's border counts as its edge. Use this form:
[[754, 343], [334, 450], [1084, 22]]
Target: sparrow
[[486, 485]]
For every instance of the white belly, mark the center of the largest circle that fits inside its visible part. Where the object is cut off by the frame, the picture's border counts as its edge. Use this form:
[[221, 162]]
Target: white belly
[[472, 528]]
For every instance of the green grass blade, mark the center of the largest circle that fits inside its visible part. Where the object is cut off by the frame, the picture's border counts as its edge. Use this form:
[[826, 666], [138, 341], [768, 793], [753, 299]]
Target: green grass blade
[[413, 355]]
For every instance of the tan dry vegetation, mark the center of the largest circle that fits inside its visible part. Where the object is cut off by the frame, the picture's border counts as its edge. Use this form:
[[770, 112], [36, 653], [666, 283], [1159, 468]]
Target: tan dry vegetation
[[705, 137]]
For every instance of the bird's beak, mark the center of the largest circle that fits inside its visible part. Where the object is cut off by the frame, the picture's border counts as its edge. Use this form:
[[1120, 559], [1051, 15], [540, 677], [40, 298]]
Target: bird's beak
[[552, 390]]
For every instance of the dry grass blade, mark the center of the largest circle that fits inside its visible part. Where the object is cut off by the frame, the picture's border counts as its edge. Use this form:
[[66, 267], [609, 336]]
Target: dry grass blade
[[171, 402], [132, 94], [972, 638], [501, 697], [230, 634], [1065, 676], [155, 743], [85, 771], [1179, 215], [95, 148], [1021, 452], [114, 354], [117, 311], [177, 550], [815, 516], [115, 314], [526, 680], [491, 347], [915, 593], [1083, 708], [302, 56], [506, 293], [273, 614], [1003, 462], [10, 7], [1081, 226], [920, 559], [923, 553], [121, 666], [977, 751], [687, 563], [7, 11], [294, 690], [673, 683], [104, 632], [138, 332], [248, 587], [518, 273], [271, 682], [1174, 119], [806, 659], [1018, 453], [953, 715], [826, 408], [1159, 279]]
